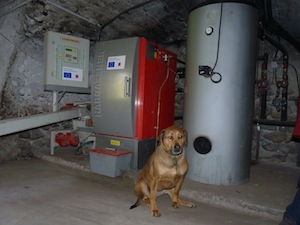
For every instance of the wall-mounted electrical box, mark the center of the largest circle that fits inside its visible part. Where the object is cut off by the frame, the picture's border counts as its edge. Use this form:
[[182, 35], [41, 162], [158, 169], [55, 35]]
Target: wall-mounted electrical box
[[66, 66]]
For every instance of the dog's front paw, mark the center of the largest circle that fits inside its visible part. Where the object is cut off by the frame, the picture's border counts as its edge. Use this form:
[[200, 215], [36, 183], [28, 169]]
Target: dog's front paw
[[146, 201], [186, 204], [190, 205], [175, 204], [156, 213]]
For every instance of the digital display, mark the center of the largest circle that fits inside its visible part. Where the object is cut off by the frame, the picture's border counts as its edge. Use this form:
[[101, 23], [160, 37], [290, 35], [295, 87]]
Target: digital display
[[71, 55]]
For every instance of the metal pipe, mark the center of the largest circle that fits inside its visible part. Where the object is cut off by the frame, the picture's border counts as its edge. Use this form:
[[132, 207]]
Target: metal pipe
[[284, 85], [284, 82], [263, 104], [13, 5], [15, 125], [55, 101], [275, 122], [89, 20], [258, 130], [285, 34], [263, 85], [298, 154], [276, 44]]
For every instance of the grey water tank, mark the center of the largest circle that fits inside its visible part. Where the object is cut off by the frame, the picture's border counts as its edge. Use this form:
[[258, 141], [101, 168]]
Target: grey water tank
[[219, 91]]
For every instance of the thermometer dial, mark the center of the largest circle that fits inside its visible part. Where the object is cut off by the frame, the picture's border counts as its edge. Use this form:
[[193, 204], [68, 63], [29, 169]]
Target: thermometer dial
[[209, 30]]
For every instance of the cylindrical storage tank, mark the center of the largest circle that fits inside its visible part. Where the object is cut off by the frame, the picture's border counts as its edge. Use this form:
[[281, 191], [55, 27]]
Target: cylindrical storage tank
[[219, 91]]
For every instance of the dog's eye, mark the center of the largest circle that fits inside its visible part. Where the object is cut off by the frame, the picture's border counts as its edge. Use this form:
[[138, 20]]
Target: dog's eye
[[180, 137], [170, 137]]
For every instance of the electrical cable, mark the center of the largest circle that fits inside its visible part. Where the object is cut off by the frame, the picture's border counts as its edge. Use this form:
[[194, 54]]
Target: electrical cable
[[62, 95], [207, 71], [212, 73], [219, 35], [120, 14], [159, 99], [159, 96], [180, 61], [80, 149]]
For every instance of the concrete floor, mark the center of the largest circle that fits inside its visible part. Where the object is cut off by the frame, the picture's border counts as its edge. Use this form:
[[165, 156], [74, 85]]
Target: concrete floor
[[40, 192]]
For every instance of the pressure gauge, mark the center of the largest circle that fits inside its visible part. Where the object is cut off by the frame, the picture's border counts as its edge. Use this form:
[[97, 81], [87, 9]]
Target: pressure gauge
[[209, 30]]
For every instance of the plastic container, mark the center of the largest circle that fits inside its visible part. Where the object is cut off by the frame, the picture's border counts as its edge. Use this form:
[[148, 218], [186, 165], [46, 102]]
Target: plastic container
[[110, 163]]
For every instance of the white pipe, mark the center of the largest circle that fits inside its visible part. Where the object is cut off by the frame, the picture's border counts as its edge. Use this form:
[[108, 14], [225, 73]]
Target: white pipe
[[12, 6], [14, 125], [89, 20], [55, 101]]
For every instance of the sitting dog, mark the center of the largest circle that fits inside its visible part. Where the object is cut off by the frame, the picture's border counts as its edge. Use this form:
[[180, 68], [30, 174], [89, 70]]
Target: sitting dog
[[164, 172]]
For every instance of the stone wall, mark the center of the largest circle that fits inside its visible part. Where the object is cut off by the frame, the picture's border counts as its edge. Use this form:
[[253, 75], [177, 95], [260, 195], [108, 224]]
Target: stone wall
[[275, 142], [21, 87], [22, 94]]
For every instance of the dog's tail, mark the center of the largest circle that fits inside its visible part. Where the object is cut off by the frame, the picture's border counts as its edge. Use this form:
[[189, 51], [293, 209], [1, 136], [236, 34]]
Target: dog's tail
[[138, 202]]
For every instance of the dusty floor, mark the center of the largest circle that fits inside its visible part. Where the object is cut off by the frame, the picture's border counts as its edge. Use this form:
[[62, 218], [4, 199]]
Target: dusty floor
[[41, 192]]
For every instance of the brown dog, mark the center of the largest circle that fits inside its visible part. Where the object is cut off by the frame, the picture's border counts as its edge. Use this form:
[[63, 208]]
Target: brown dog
[[164, 172]]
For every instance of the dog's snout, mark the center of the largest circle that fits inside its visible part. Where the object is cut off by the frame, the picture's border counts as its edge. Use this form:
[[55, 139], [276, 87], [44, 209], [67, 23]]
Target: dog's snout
[[177, 149]]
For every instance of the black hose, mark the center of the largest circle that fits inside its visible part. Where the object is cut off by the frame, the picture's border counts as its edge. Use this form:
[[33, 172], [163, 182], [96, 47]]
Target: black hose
[[276, 44], [120, 14]]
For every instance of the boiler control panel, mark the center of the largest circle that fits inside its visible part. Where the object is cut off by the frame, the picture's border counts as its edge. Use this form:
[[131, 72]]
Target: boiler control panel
[[66, 63]]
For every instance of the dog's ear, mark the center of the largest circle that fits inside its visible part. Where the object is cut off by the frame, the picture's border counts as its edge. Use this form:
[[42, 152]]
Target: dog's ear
[[186, 137], [161, 137]]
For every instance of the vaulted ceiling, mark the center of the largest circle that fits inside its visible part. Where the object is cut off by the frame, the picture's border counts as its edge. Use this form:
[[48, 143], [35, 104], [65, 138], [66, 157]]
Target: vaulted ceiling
[[162, 21]]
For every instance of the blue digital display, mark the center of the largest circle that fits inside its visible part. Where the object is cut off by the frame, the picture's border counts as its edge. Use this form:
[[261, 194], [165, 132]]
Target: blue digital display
[[111, 64], [67, 75]]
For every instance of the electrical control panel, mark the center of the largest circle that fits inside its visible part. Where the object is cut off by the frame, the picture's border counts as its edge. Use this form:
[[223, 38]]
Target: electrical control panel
[[66, 65]]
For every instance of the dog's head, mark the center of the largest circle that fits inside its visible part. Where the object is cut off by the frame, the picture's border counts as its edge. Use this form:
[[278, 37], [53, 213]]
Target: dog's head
[[173, 139]]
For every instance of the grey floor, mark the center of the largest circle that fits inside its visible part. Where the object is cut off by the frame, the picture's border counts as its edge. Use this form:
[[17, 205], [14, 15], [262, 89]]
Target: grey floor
[[40, 191]]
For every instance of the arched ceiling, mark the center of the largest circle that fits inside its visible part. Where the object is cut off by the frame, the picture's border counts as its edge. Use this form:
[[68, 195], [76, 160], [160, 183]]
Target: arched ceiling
[[162, 21]]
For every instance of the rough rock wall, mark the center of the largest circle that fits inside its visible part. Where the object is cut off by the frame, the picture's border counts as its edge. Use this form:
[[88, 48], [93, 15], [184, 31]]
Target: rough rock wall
[[275, 142], [21, 86], [22, 94]]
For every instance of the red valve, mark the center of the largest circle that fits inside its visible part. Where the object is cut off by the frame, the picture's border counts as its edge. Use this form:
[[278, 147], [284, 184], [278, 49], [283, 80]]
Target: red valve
[[282, 84], [68, 139], [262, 84]]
